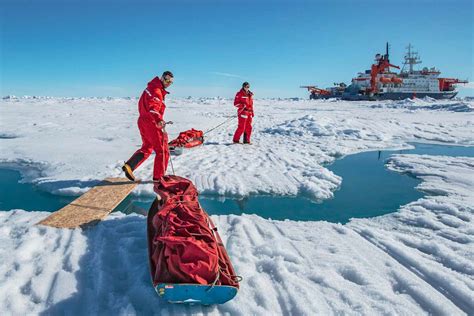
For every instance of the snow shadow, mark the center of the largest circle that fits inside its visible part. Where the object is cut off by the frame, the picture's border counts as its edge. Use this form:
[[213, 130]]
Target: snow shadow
[[114, 275], [67, 187], [8, 136], [426, 105]]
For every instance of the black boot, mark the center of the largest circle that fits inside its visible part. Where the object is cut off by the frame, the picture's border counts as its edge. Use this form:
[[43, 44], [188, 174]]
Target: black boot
[[131, 164], [246, 140], [128, 172]]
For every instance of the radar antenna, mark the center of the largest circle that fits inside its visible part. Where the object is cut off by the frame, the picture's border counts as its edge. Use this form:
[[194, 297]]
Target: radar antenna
[[411, 58]]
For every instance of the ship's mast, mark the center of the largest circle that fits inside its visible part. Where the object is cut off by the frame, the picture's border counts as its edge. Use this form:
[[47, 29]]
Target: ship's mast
[[411, 58]]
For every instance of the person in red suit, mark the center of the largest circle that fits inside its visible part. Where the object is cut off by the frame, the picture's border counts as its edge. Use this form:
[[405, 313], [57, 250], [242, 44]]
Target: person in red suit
[[244, 103], [151, 108]]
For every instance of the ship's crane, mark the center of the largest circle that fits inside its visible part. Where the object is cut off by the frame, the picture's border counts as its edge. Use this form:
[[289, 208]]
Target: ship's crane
[[447, 84], [316, 91], [382, 64]]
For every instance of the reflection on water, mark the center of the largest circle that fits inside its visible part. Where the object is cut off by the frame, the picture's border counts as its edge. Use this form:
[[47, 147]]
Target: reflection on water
[[368, 189]]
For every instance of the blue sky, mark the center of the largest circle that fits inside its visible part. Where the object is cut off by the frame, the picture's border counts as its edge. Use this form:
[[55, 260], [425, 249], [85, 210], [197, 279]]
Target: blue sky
[[112, 48]]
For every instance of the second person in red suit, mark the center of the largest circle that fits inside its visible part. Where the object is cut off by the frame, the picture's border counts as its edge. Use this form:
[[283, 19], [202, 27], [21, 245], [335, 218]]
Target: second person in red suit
[[244, 103]]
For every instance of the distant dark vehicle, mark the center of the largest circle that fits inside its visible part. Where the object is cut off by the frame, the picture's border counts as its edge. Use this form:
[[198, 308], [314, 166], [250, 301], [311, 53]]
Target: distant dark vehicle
[[328, 93]]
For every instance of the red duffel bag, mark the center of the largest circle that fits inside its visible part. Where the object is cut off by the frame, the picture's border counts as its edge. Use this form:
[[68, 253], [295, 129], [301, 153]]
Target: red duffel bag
[[183, 243], [188, 139]]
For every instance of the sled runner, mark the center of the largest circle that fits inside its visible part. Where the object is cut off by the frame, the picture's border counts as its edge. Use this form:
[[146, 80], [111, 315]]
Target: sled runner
[[196, 293], [92, 206], [188, 261], [187, 139]]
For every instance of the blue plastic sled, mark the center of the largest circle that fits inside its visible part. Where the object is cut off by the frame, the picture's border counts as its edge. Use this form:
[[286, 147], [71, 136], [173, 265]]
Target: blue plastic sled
[[176, 151], [191, 293], [195, 293]]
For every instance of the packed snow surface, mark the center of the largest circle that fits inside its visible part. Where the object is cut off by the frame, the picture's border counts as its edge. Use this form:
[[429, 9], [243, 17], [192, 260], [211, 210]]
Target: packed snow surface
[[418, 260]]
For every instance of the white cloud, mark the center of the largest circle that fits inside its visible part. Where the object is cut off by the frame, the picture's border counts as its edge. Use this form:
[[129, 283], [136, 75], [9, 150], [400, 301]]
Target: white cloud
[[225, 74]]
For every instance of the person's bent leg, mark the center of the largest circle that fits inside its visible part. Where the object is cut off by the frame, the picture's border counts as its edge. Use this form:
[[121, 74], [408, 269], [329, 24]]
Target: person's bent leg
[[139, 157], [141, 154]]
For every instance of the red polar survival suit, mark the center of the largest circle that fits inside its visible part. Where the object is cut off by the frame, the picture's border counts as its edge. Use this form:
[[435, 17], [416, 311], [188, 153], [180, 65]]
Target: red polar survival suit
[[244, 102], [150, 123]]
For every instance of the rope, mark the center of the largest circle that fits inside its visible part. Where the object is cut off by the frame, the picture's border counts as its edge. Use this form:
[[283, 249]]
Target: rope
[[171, 162], [163, 145], [215, 281], [226, 121]]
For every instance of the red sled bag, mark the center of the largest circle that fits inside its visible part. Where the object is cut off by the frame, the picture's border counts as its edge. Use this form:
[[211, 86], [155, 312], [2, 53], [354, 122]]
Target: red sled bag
[[183, 243], [188, 139]]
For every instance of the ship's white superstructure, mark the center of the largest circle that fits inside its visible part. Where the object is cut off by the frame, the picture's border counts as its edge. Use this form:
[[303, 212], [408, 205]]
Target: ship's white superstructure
[[381, 83]]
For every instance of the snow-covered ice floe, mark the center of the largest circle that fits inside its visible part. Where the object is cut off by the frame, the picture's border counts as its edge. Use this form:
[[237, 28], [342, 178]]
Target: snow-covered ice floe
[[418, 260]]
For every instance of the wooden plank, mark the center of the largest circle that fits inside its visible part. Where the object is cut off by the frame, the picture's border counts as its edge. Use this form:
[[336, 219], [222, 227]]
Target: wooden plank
[[92, 206]]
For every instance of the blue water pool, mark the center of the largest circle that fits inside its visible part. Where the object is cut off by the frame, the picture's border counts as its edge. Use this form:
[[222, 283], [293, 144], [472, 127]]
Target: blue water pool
[[14, 194], [368, 189]]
